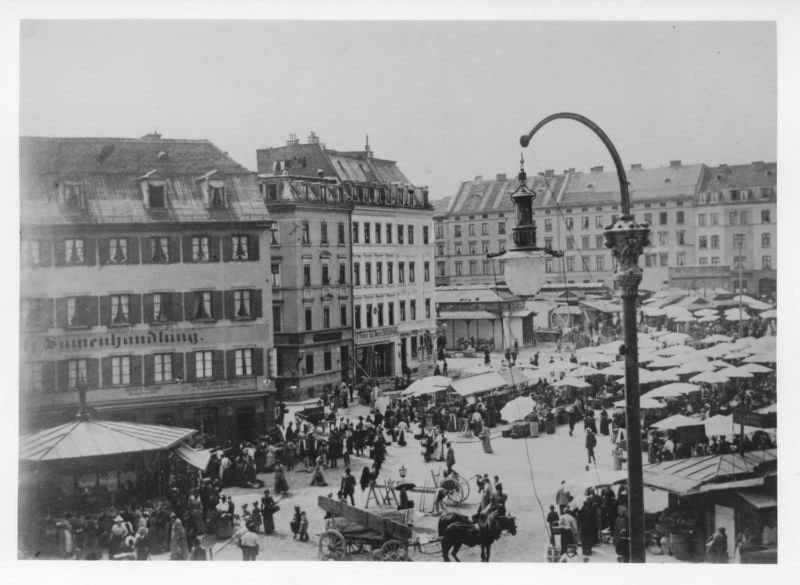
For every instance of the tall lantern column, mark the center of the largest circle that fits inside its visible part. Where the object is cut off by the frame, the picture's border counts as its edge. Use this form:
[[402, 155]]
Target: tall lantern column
[[627, 239]]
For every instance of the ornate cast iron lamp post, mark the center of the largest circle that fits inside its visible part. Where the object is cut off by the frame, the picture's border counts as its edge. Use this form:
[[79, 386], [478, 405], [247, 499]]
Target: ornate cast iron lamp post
[[626, 238]]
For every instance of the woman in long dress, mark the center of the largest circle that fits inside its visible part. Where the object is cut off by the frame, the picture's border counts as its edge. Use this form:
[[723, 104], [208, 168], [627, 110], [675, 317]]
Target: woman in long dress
[[486, 440], [281, 485], [177, 542]]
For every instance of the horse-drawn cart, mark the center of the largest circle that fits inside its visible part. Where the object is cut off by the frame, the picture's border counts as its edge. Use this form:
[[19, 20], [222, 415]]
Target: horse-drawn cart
[[352, 531]]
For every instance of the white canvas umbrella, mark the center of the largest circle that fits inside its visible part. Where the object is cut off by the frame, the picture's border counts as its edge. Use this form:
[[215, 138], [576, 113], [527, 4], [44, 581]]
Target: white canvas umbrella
[[737, 355], [769, 314], [755, 369], [735, 373], [675, 350], [672, 390], [583, 371], [760, 358], [517, 408], [709, 378], [570, 382], [708, 319], [648, 377], [716, 338], [704, 312], [737, 317], [676, 421], [654, 312], [673, 338], [615, 369], [666, 362], [694, 367]]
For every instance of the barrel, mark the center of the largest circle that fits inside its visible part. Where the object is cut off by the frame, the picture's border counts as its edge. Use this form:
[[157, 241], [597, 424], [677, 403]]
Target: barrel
[[680, 546], [550, 426]]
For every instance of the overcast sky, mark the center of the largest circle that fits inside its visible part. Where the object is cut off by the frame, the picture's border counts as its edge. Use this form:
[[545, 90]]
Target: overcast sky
[[447, 100]]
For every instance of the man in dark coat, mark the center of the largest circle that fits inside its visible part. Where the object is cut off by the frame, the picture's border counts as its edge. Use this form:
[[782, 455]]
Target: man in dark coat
[[588, 527], [591, 443], [450, 459], [348, 487], [267, 511]]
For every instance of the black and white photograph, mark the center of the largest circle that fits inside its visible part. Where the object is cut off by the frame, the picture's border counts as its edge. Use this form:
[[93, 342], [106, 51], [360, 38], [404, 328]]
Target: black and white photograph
[[401, 290]]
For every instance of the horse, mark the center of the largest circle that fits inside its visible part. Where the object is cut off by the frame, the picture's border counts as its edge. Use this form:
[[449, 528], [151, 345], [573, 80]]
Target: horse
[[456, 531]]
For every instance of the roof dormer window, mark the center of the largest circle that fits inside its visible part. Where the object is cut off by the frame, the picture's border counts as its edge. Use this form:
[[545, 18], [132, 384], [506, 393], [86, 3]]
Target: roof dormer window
[[71, 195], [156, 194], [213, 189]]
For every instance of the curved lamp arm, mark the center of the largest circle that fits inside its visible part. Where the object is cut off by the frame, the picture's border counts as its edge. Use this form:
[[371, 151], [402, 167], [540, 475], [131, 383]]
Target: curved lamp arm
[[525, 139]]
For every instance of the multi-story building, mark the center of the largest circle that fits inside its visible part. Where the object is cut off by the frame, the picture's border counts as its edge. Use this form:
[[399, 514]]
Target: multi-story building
[[311, 283], [143, 271], [735, 220], [390, 241], [571, 211]]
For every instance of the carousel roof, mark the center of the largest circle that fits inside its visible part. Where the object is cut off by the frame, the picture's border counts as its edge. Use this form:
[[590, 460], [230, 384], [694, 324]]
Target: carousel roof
[[94, 438]]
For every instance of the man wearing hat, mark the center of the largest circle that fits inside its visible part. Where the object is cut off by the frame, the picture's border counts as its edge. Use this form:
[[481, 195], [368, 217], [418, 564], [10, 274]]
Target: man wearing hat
[[348, 487]]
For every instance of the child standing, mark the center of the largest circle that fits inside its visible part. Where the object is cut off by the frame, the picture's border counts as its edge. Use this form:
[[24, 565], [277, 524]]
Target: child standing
[[255, 517], [303, 526], [295, 523]]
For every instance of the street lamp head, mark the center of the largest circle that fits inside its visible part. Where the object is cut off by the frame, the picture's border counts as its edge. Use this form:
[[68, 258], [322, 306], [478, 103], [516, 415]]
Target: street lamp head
[[525, 271]]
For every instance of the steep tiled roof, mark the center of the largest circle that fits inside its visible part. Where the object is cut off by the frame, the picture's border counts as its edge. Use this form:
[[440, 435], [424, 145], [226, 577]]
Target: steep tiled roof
[[440, 206], [644, 185], [492, 195], [740, 177], [108, 172]]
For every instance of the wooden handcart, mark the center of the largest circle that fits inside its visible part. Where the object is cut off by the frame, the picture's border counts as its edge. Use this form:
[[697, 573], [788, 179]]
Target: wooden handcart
[[354, 531]]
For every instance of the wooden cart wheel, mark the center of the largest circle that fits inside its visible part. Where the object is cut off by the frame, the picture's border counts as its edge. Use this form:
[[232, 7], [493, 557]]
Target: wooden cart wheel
[[332, 546], [393, 551], [456, 489]]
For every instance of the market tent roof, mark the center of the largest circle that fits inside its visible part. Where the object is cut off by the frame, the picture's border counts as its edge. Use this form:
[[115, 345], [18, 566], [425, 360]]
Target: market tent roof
[[708, 318], [427, 385], [479, 383], [666, 362], [769, 314], [475, 370], [602, 306], [759, 499], [518, 377], [693, 367], [754, 304], [704, 312], [768, 409], [686, 476], [593, 478], [673, 338], [760, 358], [676, 421], [198, 458], [94, 438], [466, 315], [567, 310]]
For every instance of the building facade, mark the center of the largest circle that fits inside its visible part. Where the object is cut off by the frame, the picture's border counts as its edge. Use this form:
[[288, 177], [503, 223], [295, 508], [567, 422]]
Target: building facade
[[311, 283], [143, 271], [389, 241], [735, 220], [571, 211]]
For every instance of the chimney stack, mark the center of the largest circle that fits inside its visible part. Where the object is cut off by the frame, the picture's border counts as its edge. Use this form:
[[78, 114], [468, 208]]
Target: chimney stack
[[153, 135], [675, 164], [597, 169], [293, 141], [501, 176], [549, 173], [313, 138], [636, 167]]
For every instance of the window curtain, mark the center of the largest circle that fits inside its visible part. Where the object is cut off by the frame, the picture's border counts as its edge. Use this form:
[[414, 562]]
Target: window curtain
[[75, 251], [243, 309], [119, 308], [158, 308], [120, 252]]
